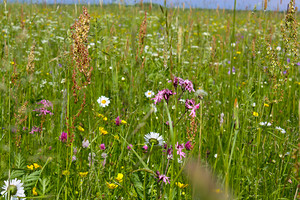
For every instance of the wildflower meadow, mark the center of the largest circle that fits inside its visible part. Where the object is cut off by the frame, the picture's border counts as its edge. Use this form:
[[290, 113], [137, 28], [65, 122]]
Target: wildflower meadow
[[148, 101]]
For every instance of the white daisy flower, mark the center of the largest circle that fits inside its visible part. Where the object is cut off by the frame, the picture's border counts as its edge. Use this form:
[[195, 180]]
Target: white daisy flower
[[15, 187], [149, 94], [280, 129], [154, 138], [103, 101], [262, 123]]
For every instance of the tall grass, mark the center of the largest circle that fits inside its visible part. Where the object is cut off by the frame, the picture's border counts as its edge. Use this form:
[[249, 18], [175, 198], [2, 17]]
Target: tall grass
[[244, 66]]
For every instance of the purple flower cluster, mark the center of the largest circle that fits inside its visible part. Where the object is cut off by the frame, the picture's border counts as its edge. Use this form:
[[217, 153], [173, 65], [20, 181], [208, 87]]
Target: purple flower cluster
[[163, 94], [186, 85], [118, 121], [63, 137], [35, 129], [162, 177], [179, 148], [188, 145], [190, 104], [45, 106]]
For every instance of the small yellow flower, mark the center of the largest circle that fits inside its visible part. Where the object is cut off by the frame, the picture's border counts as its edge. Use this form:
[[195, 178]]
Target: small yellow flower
[[100, 115], [83, 174], [102, 131], [238, 52], [34, 191], [65, 173], [181, 185], [36, 165], [255, 114], [183, 193], [111, 185], [80, 128], [30, 167], [234, 58], [120, 177], [266, 105], [116, 137], [104, 118], [12, 62], [123, 122]]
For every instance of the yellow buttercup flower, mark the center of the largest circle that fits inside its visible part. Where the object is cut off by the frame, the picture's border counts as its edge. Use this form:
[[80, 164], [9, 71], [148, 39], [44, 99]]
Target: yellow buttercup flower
[[181, 185], [116, 137], [266, 105], [255, 114], [105, 118], [36, 165], [65, 173], [80, 128], [120, 177], [83, 174], [34, 191], [111, 185], [102, 131], [30, 167], [100, 115], [123, 122]]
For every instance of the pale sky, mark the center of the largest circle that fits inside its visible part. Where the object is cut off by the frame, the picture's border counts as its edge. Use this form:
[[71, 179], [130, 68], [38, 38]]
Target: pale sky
[[227, 4]]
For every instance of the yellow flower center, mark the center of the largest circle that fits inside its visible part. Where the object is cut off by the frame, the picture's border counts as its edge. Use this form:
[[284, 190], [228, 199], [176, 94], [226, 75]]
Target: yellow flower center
[[103, 101]]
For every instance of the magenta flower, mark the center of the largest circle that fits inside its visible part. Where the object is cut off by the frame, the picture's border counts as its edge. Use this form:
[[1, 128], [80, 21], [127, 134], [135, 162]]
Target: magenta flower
[[118, 121], [176, 81], [179, 148], [158, 97], [145, 147], [44, 109], [190, 104], [129, 147], [63, 137], [162, 177], [188, 145], [170, 153], [45, 103], [163, 94], [102, 146], [187, 85], [35, 129]]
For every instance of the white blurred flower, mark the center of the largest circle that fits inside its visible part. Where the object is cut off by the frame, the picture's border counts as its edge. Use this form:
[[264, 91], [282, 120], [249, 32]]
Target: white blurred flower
[[154, 138], [103, 101], [15, 187], [149, 94]]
